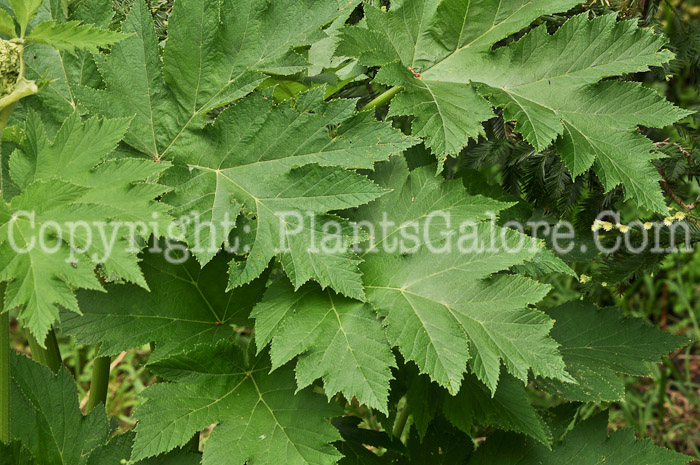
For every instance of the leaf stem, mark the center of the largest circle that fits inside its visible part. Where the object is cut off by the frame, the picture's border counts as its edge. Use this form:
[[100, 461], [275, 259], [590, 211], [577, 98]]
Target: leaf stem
[[661, 401], [4, 370], [49, 356], [401, 418], [99, 385], [382, 99]]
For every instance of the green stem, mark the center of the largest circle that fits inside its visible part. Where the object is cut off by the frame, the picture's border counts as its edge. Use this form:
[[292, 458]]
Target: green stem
[[4, 370], [53, 353], [49, 356], [5, 115], [663, 382], [401, 418], [382, 99], [99, 386]]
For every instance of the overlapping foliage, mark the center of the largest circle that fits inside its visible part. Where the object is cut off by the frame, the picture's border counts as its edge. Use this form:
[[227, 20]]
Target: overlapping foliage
[[194, 123]]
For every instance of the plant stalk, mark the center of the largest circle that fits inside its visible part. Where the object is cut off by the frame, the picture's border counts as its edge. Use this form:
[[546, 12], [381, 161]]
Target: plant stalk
[[4, 369], [661, 401], [99, 385], [401, 418], [49, 356], [382, 99]]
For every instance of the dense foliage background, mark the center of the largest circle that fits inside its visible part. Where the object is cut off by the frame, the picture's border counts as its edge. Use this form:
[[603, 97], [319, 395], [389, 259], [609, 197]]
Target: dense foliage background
[[663, 289]]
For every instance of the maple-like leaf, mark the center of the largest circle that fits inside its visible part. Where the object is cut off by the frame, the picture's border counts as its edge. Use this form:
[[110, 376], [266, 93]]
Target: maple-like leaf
[[599, 344], [415, 36], [327, 331], [243, 162], [441, 308], [187, 306], [264, 159], [440, 55], [66, 181], [259, 417], [554, 93]]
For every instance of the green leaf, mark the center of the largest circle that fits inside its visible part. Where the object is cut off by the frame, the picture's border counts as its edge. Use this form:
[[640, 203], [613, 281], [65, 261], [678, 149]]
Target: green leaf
[[46, 417], [71, 35], [440, 308], [24, 11], [65, 182], [546, 262], [59, 71], [214, 55], [355, 442], [599, 344], [456, 110], [548, 84], [135, 88], [97, 12], [118, 451], [7, 24], [15, 454], [258, 415], [594, 122], [474, 406], [423, 34], [327, 331], [187, 306], [65, 71], [239, 163], [256, 158], [40, 293], [587, 444], [507, 409]]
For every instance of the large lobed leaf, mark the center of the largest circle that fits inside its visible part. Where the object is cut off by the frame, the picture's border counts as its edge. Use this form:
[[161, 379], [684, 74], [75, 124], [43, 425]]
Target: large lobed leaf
[[71, 180], [441, 308], [599, 344], [48, 427], [465, 320], [186, 306], [259, 416], [244, 161], [282, 166], [440, 54], [215, 54], [45, 415]]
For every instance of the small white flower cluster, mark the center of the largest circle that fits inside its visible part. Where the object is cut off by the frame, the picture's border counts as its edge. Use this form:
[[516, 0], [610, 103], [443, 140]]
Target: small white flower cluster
[[679, 216], [604, 225], [608, 226], [9, 67]]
